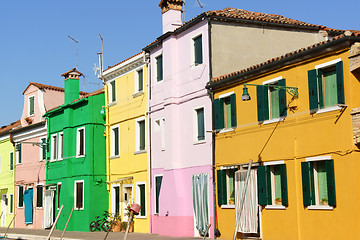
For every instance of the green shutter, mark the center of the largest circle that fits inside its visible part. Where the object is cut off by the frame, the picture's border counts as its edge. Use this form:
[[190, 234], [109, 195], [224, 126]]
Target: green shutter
[[233, 110], [200, 124], [219, 114], [305, 170], [282, 98], [32, 104], [116, 141], [232, 183], [158, 181], [284, 191], [198, 50], [340, 82], [320, 88], [113, 91], [264, 196], [313, 93], [262, 103], [330, 182], [11, 203], [39, 196], [21, 196], [142, 135], [221, 187], [159, 68], [11, 161], [142, 200], [20, 157], [141, 80]]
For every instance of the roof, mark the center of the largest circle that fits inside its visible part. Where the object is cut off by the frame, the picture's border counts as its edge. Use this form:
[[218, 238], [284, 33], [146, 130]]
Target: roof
[[49, 87], [72, 71], [6, 129], [275, 63], [240, 15], [122, 61], [174, 1]]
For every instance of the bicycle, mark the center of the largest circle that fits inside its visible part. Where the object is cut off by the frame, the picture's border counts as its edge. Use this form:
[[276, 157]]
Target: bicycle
[[99, 224]]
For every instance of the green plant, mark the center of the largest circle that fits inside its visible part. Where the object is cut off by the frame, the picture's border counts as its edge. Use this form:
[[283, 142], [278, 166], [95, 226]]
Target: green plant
[[128, 211], [278, 199]]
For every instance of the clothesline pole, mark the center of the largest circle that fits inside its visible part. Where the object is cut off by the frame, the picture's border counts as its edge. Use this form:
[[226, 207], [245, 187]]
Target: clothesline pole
[[57, 218], [62, 235]]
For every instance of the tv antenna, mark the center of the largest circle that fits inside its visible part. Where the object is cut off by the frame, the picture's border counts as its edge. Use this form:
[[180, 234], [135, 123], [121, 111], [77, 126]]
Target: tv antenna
[[100, 68], [77, 43], [201, 6]]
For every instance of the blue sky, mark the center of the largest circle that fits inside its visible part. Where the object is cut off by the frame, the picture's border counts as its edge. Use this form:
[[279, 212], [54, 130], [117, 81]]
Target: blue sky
[[35, 46]]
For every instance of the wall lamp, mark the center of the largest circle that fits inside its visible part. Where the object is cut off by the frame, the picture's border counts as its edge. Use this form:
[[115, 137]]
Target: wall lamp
[[293, 91]]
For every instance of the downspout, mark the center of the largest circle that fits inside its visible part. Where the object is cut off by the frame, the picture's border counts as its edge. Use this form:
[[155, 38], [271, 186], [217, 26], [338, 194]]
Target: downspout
[[47, 144]]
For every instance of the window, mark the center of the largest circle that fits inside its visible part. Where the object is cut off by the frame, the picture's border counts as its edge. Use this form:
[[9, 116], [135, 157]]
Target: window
[[115, 141], [79, 195], [158, 181], [326, 85], [80, 142], [318, 182], [61, 146], [116, 200], [140, 134], [31, 105], [199, 125], [139, 84], [58, 195], [226, 186], [53, 147], [272, 184], [11, 161], [21, 196], [112, 91], [225, 111], [43, 149], [39, 196], [159, 68], [141, 198], [18, 153], [271, 102], [11, 203], [160, 127], [198, 54]]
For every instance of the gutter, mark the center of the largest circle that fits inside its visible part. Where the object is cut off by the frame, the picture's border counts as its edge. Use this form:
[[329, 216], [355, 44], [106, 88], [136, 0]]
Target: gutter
[[59, 109]]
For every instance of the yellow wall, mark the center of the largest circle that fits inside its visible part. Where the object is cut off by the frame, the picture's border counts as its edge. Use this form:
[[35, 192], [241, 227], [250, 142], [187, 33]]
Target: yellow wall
[[124, 113], [299, 136]]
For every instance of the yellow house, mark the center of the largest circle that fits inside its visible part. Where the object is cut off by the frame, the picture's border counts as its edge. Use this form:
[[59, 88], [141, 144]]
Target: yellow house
[[127, 138], [299, 123]]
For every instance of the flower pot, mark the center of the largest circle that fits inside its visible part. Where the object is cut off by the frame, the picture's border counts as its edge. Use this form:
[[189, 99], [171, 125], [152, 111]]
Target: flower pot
[[116, 227]]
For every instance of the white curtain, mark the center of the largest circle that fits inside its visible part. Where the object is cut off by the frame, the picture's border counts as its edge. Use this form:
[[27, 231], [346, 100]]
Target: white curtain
[[200, 186], [249, 213], [48, 209]]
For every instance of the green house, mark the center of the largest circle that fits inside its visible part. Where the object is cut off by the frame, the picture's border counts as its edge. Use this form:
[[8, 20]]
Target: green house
[[76, 158]]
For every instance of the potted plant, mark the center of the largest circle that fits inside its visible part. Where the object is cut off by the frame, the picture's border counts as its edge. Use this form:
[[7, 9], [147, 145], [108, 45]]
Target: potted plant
[[116, 227], [324, 201], [124, 224], [278, 201]]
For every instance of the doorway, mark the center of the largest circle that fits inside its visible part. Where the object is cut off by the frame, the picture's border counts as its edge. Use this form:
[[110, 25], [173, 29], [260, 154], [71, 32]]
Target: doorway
[[115, 200], [3, 210], [200, 191], [127, 198]]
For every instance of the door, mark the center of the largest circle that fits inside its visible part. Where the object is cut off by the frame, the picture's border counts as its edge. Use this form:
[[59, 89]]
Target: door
[[28, 203], [115, 200], [3, 210], [49, 206], [127, 199], [200, 190]]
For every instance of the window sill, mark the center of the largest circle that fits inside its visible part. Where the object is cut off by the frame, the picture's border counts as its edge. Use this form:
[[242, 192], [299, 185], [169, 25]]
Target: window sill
[[328, 109], [320, 207], [53, 160], [141, 217], [139, 152], [80, 156], [275, 207], [226, 130], [79, 209], [200, 142], [112, 104], [228, 206], [114, 157], [196, 65], [138, 94], [274, 120]]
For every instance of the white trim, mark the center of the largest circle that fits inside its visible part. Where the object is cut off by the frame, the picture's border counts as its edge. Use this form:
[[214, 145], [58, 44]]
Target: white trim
[[2, 138], [28, 106], [83, 194], [136, 77], [228, 206], [273, 80], [137, 134], [224, 130], [112, 141], [328, 109], [320, 207], [154, 207], [274, 163], [110, 96], [41, 149], [53, 151], [60, 146], [159, 126], [226, 95], [41, 103], [328, 64], [196, 127], [319, 158], [32, 133], [42, 194], [130, 61], [275, 207], [138, 197], [129, 201], [78, 142], [11, 208], [274, 120]]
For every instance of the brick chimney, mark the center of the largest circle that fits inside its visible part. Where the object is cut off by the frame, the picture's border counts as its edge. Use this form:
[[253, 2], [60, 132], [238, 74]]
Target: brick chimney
[[171, 14], [71, 85]]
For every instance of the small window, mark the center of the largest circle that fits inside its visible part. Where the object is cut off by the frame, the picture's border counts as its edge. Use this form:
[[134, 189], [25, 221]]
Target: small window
[[140, 138], [199, 125], [158, 181], [43, 149], [53, 147], [116, 200], [11, 161], [21, 196], [80, 143], [225, 112], [141, 199], [31, 105], [226, 186], [112, 91], [198, 53], [61, 146], [79, 195], [58, 195], [140, 80], [159, 68], [11, 203], [18, 153], [160, 127], [115, 141], [39, 196]]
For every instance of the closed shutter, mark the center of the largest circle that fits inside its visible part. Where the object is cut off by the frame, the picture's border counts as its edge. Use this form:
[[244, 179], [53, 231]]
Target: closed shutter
[[142, 135], [233, 110], [116, 141], [330, 182], [142, 200], [200, 124], [198, 50], [264, 185], [113, 91], [284, 191], [11, 161], [31, 107], [39, 196], [20, 157], [219, 114], [305, 170], [159, 68], [340, 82], [141, 80], [282, 98], [262, 103], [158, 181], [221, 187], [313, 93]]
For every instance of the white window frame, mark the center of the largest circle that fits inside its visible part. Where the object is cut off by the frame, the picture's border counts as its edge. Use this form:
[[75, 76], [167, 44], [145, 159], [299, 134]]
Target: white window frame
[[83, 194], [60, 151], [155, 67], [28, 112], [78, 142], [110, 95], [272, 178], [41, 149], [136, 72], [13, 161], [195, 125], [18, 195], [112, 141], [226, 129], [17, 155], [138, 197], [53, 151], [272, 120], [137, 135], [192, 47], [227, 205], [43, 195], [10, 208]]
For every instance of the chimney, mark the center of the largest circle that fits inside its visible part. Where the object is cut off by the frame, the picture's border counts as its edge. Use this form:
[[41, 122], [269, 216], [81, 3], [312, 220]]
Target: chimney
[[171, 14], [71, 85]]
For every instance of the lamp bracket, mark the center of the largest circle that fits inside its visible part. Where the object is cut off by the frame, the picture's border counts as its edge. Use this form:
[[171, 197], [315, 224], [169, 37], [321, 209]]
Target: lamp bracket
[[293, 91]]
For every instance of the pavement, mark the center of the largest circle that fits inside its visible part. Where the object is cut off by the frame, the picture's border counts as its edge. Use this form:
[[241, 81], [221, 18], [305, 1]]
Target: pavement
[[40, 234]]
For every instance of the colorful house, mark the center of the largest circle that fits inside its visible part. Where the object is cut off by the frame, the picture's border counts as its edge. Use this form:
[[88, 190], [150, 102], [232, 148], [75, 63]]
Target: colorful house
[[7, 175], [76, 167], [30, 153], [182, 61], [127, 138], [300, 126]]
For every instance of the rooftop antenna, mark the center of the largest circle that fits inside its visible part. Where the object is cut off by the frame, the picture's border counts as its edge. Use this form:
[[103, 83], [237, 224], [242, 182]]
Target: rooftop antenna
[[100, 68], [77, 43], [184, 12], [201, 6]]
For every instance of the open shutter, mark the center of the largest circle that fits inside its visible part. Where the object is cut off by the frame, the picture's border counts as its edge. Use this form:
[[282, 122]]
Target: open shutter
[[305, 170], [233, 110], [340, 82], [284, 191], [313, 93], [320, 87], [282, 99], [219, 114], [263, 174], [262, 103], [330, 182], [221, 187]]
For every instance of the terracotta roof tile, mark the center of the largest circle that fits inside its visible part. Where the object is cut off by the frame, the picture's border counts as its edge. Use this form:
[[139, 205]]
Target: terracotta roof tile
[[44, 86], [122, 61], [6, 129]]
